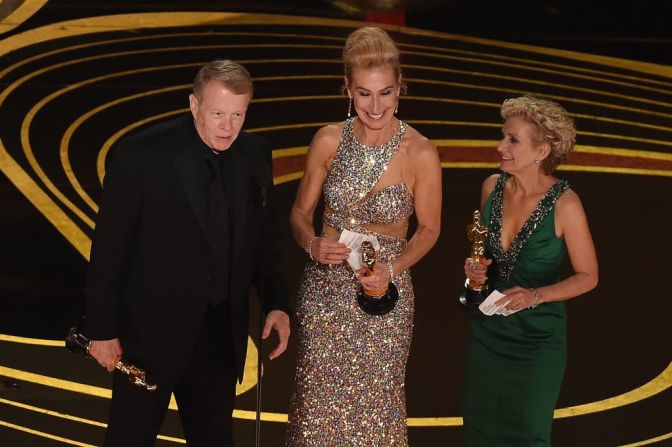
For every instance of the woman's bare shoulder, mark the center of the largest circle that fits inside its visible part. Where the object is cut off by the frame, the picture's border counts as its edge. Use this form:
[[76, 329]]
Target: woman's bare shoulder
[[328, 135], [418, 146], [325, 142], [569, 203], [490, 182]]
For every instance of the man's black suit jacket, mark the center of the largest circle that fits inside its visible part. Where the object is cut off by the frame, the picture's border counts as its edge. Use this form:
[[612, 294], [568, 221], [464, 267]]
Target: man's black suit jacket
[[153, 267]]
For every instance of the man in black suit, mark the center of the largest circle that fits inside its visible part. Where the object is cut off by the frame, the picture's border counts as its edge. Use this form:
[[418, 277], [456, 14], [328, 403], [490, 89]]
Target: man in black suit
[[185, 229]]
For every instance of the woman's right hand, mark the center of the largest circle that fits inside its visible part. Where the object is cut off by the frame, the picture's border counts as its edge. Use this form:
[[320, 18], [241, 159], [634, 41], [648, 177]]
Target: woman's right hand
[[476, 271], [326, 250]]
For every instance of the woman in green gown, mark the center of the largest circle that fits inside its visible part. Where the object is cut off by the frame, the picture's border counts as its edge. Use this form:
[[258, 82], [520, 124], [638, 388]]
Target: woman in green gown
[[515, 363]]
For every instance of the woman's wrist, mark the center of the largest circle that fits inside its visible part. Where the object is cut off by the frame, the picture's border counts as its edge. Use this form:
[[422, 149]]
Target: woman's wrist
[[536, 298], [309, 247], [390, 270]]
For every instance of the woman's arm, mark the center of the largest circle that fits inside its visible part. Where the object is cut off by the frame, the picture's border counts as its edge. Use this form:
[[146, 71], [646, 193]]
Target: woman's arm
[[478, 271], [572, 224], [427, 196], [320, 153], [486, 189]]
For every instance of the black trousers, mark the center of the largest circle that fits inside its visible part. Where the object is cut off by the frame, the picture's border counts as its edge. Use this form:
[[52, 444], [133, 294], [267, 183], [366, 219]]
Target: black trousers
[[205, 395]]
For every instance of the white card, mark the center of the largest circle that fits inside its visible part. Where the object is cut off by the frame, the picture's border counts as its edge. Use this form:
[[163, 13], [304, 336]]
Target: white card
[[488, 306], [354, 242]]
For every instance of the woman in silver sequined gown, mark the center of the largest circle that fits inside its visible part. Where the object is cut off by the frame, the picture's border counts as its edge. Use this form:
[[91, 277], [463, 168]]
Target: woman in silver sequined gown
[[373, 171]]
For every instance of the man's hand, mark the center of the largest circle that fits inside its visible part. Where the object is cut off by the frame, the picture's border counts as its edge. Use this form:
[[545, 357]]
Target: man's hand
[[279, 321], [106, 352]]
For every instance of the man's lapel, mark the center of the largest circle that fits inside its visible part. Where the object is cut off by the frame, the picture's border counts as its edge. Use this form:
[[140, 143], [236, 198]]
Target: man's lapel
[[241, 185], [190, 173]]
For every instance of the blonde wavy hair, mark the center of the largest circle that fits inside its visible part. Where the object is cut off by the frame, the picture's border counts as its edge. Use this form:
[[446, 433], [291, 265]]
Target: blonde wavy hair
[[371, 47], [554, 126]]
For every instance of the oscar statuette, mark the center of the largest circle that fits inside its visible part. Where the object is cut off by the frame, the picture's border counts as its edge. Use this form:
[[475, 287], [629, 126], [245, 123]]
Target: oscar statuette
[[78, 343], [372, 301], [475, 292]]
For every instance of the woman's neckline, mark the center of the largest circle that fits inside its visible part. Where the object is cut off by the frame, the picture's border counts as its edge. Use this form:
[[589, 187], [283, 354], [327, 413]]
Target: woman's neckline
[[385, 142]]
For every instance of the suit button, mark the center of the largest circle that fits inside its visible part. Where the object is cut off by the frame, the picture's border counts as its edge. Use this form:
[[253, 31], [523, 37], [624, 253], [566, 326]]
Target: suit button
[[208, 278]]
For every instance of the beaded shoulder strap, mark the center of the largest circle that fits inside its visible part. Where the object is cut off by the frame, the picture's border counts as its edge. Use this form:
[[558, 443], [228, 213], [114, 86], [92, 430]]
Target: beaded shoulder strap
[[506, 260]]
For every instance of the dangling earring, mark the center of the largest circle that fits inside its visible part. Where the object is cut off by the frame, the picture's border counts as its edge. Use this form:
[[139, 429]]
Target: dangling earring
[[396, 109], [349, 106], [537, 162]]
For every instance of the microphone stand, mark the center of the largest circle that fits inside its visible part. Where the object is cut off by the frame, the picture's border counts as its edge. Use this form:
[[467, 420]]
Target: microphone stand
[[262, 321]]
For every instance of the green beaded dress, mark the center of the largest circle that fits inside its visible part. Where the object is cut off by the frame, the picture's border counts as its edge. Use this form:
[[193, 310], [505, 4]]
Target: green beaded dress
[[515, 364]]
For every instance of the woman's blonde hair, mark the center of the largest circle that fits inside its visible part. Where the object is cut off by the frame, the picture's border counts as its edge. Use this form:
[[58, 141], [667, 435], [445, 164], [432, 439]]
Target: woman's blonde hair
[[554, 126], [371, 47]]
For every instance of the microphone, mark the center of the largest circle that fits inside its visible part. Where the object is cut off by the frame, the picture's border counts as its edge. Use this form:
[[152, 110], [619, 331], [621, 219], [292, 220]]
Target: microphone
[[263, 175]]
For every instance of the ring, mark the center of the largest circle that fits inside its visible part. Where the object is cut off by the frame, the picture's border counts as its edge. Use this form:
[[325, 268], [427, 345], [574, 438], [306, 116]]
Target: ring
[[472, 264], [326, 256]]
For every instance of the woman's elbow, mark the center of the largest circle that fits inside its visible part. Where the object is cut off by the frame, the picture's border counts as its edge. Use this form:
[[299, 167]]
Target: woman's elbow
[[591, 281], [431, 233], [594, 281], [297, 215]]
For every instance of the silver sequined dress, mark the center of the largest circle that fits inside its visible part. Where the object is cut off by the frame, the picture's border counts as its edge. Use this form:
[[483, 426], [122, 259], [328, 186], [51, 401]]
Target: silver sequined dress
[[349, 385]]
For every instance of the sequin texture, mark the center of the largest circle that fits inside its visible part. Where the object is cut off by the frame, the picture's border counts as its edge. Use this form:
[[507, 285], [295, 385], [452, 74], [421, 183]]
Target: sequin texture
[[356, 168], [349, 385], [386, 206]]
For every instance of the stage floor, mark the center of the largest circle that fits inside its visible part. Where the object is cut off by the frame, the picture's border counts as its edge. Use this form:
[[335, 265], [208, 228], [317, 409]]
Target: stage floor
[[75, 78]]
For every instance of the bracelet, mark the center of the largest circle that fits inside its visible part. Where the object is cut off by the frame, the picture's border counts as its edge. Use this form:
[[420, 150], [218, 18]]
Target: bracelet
[[536, 295], [390, 270], [309, 250]]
